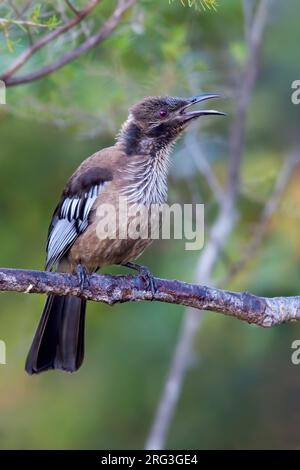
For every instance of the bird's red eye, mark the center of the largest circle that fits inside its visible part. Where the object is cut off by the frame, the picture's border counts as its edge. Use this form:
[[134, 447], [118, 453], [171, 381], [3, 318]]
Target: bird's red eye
[[163, 113]]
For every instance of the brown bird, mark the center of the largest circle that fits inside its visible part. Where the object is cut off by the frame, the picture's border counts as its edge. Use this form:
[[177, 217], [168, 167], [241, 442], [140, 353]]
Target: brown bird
[[135, 168]]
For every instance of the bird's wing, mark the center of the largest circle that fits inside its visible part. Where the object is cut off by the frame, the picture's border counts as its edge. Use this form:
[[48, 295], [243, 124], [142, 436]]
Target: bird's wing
[[71, 216]]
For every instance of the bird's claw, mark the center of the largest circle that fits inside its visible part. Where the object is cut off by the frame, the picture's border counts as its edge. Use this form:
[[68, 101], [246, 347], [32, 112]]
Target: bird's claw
[[83, 276], [146, 276], [149, 280]]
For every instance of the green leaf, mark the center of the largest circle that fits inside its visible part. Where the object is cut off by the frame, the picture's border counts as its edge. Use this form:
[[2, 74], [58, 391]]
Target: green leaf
[[9, 44], [52, 22], [35, 15], [199, 4]]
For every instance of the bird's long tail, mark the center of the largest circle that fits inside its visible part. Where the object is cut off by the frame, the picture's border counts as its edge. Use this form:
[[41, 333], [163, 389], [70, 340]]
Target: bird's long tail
[[59, 339]]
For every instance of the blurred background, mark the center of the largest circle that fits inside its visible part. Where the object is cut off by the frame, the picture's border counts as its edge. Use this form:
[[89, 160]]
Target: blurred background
[[241, 389]]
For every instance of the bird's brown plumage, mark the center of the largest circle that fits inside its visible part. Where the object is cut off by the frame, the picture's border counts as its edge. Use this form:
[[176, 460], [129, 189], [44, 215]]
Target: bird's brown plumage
[[89, 250], [134, 169]]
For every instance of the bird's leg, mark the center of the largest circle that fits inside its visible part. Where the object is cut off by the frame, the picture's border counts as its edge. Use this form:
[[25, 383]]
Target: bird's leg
[[145, 274], [83, 276]]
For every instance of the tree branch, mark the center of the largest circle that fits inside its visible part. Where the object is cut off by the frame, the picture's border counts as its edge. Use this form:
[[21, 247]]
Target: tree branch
[[20, 16], [46, 39], [248, 9], [71, 6], [5, 22], [91, 42], [262, 311], [247, 81]]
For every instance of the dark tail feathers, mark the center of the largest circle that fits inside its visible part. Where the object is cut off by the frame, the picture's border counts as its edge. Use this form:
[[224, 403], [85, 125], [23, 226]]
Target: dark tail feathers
[[59, 340]]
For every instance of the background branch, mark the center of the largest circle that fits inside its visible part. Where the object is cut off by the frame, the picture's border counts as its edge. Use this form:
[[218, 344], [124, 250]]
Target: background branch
[[4, 22], [46, 39], [219, 234], [19, 15], [248, 9], [71, 6], [91, 42], [269, 209]]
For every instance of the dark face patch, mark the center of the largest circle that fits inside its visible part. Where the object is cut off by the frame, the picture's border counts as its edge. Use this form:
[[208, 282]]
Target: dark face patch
[[155, 109], [165, 130], [133, 137], [153, 124]]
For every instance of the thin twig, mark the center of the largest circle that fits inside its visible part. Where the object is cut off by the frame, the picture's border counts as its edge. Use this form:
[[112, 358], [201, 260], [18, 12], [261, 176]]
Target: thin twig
[[46, 39], [26, 7], [19, 15], [71, 6], [4, 22], [91, 42]]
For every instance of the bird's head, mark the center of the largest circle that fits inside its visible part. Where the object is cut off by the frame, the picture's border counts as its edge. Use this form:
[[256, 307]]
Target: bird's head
[[162, 119]]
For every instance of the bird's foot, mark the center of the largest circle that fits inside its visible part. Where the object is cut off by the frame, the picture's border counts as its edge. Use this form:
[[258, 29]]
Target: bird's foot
[[83, 276], [145, 274]]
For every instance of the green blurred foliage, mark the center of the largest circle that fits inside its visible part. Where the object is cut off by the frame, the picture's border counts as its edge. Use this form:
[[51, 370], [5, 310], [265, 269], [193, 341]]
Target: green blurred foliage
[[242, 390]]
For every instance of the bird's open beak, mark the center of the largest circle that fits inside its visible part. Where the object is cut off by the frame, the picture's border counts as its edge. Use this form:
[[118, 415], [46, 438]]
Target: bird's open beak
[[188, 115]]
